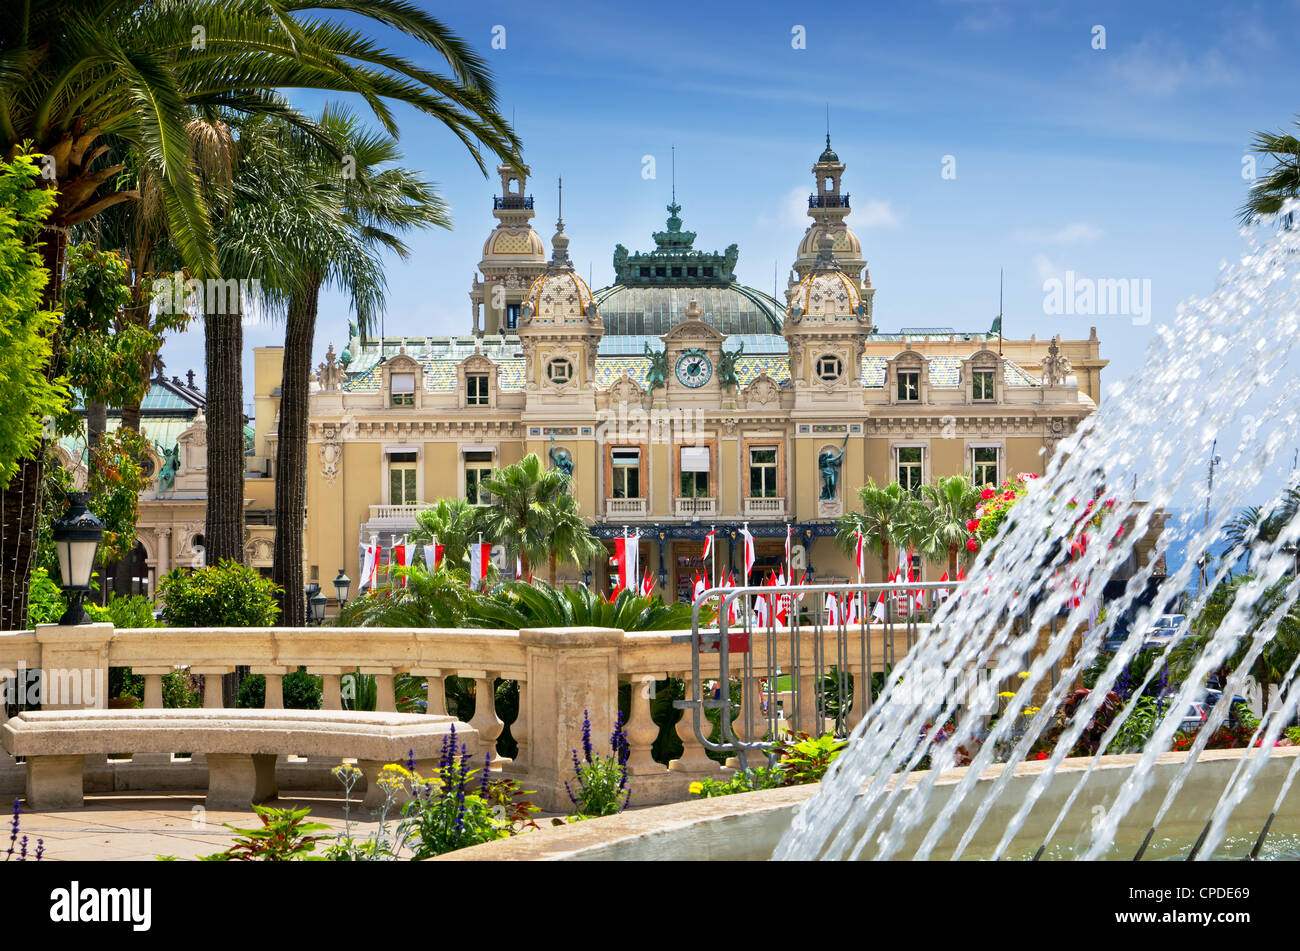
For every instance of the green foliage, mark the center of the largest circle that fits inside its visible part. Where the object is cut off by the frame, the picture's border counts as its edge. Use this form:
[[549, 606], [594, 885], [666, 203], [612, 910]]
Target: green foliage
[[601, 784], [1142, 721], [115, 483], [431, 599], [761, 777], [302, 691], [360, 691], [125, 611], [285, 835], [105, 358], [45, 603], [1281, 182], [27, 395], [179, 691], [455, 524], [224, 595], [529, 508], [804, 759], [518, 604]]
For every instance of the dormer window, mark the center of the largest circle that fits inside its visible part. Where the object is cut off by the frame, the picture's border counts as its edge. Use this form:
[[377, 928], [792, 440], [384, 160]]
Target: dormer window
[[909, 386], [982, 385], [476, 389], [829, 368], [402, 386], [559, 371]]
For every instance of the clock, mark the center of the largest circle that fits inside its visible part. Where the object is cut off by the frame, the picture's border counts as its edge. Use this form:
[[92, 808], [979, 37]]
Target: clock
[[694, 369]]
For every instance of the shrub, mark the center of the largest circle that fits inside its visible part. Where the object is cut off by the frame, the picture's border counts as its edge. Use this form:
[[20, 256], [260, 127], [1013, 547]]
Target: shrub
[[283, 837], [302, 691], [178, 690], [45, 604], [761, 777], [224, 595]]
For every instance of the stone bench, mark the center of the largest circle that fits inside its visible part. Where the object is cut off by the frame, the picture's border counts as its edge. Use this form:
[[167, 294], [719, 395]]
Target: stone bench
[[240, 746]]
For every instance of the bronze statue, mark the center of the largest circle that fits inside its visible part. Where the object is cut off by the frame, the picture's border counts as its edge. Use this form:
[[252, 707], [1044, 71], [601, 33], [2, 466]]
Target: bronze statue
[[727, 367], [658, 372], [829, 463]]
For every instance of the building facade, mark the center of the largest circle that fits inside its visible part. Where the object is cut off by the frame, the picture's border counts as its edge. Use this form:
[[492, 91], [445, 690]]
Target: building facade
[[679, 398]]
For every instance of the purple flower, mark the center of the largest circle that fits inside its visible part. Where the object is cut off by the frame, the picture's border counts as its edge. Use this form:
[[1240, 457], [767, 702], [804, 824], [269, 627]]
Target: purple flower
[[410, 760], [586, 735], [483, 780]]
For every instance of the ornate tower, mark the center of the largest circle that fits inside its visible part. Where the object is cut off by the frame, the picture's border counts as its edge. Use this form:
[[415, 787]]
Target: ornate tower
[[828, 208], [826, 328], [513, 257]]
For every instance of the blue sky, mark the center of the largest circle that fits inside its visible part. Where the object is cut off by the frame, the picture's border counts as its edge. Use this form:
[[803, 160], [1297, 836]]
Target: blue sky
[[1123, 162]]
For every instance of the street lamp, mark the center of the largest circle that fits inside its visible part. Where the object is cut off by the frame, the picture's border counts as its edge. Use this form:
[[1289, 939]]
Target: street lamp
[[341, 586], [586, 578], [317, 605], [663, 581], [76, 538]]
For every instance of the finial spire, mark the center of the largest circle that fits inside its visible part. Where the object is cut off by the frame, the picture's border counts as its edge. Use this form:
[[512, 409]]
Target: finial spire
[[560, 189], [828, 125], [674, 157]]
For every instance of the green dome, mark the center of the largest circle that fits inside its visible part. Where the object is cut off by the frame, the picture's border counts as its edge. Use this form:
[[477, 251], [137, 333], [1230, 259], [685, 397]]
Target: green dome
[[730, 308]]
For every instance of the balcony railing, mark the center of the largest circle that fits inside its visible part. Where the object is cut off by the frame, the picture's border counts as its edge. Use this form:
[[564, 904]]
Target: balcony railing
[[625, 507], [396, 513], [828, 201], [512, 203], [695, 508], [757, 507]]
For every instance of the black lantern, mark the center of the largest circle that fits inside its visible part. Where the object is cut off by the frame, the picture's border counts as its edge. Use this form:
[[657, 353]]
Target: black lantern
[[341, 586], [317, 605], [663, 580], [76, 539], [586, 578]]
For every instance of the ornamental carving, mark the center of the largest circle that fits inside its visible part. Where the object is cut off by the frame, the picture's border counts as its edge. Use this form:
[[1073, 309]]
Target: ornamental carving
[[626, 390], [761, 391], [1056, 367], [330, 374], [331, 453]]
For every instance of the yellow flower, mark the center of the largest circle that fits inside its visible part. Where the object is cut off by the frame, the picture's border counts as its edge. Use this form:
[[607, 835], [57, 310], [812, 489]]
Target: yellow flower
[[394, 776], [696, 788], [1006, 693], [346, 772], [1023, 675]]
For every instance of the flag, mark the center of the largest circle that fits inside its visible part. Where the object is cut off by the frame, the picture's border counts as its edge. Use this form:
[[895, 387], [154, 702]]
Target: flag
[[762, 610], [369, 567], [789, 534], [626, 550], [400, 555], [433, 556], [647, 584], [699, 588], [733, 609], [832, 610], [941, 594], [478, 563], [519, 567], [859, 557], [750, 556], [708, 545]]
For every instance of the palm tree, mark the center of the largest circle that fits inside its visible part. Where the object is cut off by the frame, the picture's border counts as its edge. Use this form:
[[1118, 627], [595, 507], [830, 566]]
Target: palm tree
[[76, 73], [571, 540], [1270, 193], [454, 523], [524, 500], [883, 512], [949, 505], [373, 200]]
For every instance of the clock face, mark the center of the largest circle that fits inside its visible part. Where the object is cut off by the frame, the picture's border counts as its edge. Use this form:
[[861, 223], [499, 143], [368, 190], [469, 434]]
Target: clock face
[[693, 369]]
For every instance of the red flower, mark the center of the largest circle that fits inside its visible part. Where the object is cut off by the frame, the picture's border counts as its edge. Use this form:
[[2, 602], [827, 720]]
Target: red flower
[[973, 526], [972, 545], [1010, 495], [987, 494], [1042, 755]]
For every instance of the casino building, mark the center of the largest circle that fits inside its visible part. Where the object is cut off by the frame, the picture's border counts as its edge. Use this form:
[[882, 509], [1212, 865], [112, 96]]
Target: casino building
[[682, 398]]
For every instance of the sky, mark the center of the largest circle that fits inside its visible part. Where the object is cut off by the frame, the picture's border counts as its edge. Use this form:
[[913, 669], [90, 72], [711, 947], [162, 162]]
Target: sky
[[1108, 140]]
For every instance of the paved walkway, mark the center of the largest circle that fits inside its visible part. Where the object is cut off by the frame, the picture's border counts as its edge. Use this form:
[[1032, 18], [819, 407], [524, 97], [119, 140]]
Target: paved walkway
[[134, 827]]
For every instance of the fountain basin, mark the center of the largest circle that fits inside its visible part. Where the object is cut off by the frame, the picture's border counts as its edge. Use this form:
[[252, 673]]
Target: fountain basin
[[748, 826]]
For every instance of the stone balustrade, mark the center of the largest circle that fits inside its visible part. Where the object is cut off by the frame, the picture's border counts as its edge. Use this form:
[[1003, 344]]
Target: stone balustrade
[[561, 672]]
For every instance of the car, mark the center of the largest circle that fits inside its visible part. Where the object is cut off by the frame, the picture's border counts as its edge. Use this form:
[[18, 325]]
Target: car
[[1194, 718]]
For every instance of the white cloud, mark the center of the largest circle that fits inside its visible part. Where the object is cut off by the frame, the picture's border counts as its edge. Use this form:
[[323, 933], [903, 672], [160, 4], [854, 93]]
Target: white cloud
[[1071, 233], [1161, 67], [1047, 268], [876, 213]]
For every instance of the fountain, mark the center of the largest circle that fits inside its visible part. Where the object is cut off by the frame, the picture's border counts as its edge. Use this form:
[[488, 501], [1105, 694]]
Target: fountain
[[1220, 371]]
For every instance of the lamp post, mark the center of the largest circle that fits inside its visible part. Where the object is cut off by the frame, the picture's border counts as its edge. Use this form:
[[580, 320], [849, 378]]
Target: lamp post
[[310, 591], [316, 604], [76, 539], [342, 584]]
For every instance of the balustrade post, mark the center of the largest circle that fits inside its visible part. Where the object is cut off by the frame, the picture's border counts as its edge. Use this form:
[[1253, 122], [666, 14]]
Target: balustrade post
[[331, 686], [385, 699], [519, 729], [485, 718], [569, 670], [153, 700], [273, 698], [436, 692], [641, 729], [74, 673], [694, 759]]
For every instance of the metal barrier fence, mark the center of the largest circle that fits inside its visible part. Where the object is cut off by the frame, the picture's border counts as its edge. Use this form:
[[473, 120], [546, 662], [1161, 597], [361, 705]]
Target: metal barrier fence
[[824, 656]]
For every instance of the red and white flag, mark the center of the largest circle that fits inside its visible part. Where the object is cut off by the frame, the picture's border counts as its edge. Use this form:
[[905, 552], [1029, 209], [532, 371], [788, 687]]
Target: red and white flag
[[699, 588], [750, 556], [878, 612], [369, 567], [860, 556], [478, 563], [733, 609], [626, 552], [647, 584], [400, 556], [708, 545], [832, 610], [941, 594], [433, 556], [789, 536]]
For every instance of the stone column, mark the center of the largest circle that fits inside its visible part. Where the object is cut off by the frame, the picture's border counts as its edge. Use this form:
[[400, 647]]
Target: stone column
[[164, 559], [694, 758], [274, 696], [74, 676], [211, 699], [641, 729], [385, 699], [569, 670], [153, 700], [436, 693], [519, 730], [331, 688]]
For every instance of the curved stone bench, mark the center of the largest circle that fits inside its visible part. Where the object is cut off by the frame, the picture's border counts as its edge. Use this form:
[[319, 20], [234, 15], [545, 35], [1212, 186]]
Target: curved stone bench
[[240, 745]]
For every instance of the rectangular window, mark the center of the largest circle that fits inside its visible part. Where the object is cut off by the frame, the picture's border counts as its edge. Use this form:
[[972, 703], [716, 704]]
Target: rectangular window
[[627, 474], [909, 385], [695, 472], [512, 316], [403, 388], [909, 467], [984, 465], [762, 473], [477, 389], [982, 385], [401, 478], [478, 466]]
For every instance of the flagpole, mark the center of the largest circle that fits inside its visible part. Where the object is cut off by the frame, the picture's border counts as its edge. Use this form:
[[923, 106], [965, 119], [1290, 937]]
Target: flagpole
[[713, 552]]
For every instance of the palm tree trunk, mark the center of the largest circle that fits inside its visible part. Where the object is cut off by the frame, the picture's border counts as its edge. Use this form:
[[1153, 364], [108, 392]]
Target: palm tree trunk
[[224, 339], [20, 500], [291, 455], [952, 562], [552, 567], [884, 558]]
